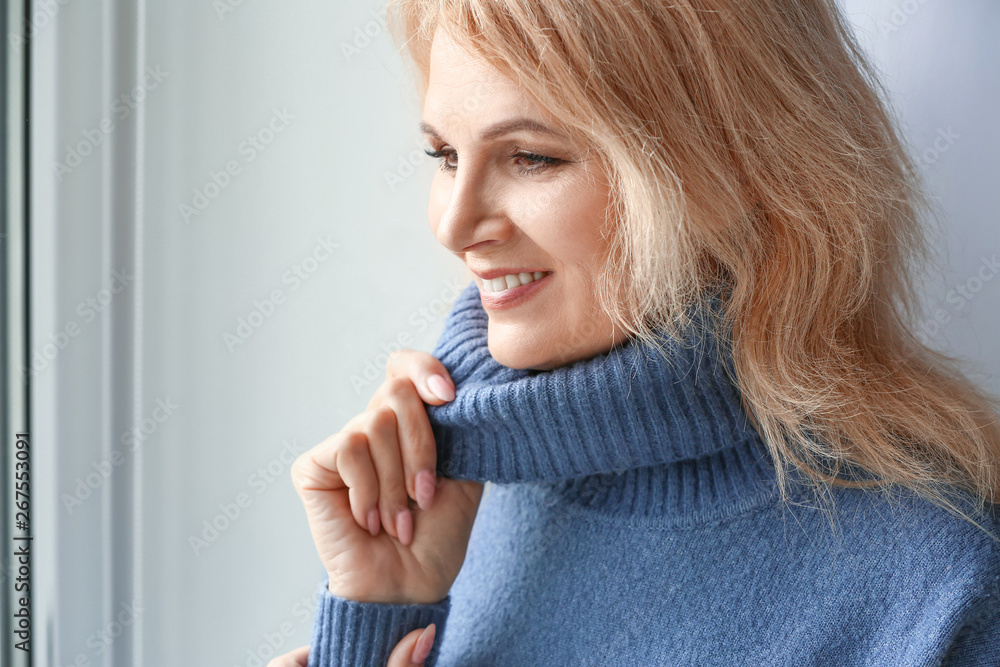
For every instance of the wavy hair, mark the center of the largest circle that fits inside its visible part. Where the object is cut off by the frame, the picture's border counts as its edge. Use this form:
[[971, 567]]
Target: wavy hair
[[752, 148]]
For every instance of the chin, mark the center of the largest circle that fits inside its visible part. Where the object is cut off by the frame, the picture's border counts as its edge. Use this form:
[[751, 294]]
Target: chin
[[513, 356], [519, 347], [516, 352]]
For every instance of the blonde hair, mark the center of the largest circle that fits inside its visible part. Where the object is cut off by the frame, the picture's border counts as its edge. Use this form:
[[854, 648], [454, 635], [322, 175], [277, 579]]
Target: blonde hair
[[751, 148]]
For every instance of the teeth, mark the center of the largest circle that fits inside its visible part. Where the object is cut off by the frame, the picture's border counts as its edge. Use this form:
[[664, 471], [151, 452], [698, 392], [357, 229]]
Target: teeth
[[512, 280]]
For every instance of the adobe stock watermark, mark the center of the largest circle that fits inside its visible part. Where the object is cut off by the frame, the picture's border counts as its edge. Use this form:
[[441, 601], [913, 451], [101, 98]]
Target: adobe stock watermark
[[407, 165], [900, 16], [100, 641], [230, 512], [223, 7], [363, 36], [122, 107], [958, 297], [419, 320], [273, 643], [44, 12], [88, 310], [945, 139], [249, 149], [563, 493], [131, 439], [265, 308]]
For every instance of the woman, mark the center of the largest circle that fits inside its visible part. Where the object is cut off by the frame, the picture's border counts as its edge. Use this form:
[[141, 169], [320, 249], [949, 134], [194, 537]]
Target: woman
[[689, 227]]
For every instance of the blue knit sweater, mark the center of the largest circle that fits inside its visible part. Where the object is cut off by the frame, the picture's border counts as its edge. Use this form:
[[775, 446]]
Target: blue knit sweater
[[630, 517]]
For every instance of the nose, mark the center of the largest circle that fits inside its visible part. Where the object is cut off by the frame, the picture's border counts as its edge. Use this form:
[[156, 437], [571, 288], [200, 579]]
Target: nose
[[471, 211]]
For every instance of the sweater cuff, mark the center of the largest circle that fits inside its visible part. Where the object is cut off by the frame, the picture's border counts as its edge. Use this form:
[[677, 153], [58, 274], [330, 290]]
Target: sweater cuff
[[348, 633]]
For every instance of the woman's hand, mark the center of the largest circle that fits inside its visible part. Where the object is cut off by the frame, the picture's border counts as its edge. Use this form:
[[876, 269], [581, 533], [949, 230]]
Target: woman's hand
[[411, 651], [361, 479], [297, 658]]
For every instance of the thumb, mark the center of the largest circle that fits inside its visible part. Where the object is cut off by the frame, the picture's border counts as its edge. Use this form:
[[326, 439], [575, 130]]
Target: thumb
[[413, 649], [425, 371]]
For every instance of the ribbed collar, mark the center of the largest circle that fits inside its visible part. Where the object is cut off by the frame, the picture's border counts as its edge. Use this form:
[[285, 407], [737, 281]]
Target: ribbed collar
[[620, 412]]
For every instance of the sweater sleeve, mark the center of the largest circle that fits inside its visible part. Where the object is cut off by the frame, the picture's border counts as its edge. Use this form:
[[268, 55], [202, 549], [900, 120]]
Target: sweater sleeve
[[348, 633], [623, 409]]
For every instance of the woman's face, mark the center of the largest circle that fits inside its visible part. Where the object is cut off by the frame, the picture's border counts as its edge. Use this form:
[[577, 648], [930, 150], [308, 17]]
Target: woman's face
[[512, 199]]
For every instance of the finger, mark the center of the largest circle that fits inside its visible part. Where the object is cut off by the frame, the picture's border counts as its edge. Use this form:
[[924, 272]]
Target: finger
[[413, 649], [383, 446], [421, 369], [297, 658], [416, 440], [342, 460]]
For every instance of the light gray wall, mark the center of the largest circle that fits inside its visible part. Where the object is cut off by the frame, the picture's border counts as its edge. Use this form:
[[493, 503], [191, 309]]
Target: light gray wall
[[289, 384], [941, 63], [317, 189]]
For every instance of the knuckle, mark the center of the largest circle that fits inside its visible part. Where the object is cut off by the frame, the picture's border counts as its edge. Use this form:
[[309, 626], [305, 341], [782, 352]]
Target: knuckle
[[395, 360], [352, 445], [383, 418], [398, 386]]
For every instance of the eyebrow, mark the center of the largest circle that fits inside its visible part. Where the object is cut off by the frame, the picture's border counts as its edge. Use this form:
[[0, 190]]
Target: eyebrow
[[502, 128]]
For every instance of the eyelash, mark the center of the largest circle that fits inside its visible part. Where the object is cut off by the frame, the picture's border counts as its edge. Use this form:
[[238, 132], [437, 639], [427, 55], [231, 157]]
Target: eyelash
[[544, 161]]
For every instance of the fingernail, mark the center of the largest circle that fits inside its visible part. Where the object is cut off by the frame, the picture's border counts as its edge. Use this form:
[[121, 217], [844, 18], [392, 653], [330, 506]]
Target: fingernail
[[404, 526], [425, 488], [440, 387], [424, 644], [373, 521]]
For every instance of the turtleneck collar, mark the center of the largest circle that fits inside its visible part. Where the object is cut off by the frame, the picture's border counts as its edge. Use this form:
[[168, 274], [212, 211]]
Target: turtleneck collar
[[622, 411]]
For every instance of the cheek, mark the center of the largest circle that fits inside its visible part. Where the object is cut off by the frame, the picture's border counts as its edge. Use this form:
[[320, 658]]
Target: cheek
[[572, 230]]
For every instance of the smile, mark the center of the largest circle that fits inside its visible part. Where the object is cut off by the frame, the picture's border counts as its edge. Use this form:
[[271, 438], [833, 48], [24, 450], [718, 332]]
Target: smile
[[514, 289], [511, 281]]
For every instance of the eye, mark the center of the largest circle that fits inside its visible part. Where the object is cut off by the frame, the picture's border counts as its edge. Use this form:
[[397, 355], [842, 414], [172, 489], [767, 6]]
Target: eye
[[541, 162], [442, 154], [536, 163]]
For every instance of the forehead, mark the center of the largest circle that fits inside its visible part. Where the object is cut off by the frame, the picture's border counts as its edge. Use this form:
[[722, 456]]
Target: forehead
[[460, 81]]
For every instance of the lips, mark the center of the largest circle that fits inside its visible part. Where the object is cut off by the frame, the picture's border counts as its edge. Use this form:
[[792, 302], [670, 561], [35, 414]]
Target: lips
[[511, 280], [511, 296]]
